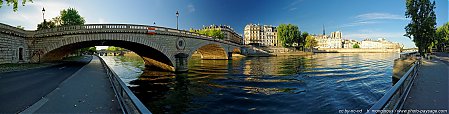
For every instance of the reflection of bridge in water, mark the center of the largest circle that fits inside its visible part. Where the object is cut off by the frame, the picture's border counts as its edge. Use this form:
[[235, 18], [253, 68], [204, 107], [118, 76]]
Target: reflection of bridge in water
[[160, 47]]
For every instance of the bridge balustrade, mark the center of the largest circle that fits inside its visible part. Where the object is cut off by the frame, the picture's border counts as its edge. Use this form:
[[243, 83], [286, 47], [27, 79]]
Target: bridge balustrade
[[12, 30], [103, 28]]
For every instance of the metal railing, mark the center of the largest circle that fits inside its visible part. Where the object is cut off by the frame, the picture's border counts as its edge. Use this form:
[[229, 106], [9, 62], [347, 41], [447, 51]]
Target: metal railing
[[394, 99], [129, 103]]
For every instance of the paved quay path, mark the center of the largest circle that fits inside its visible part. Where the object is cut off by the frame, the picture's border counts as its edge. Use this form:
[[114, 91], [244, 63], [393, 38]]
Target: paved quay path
[[86, 91], [21, 89], [430, 88]]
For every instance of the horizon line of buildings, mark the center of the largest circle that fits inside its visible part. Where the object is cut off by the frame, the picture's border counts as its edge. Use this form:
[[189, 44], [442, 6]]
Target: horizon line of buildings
[[266, 35]]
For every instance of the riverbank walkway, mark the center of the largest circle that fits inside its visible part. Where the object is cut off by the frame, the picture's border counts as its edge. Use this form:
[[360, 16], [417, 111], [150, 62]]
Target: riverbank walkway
[[86, 91], [430, 88]]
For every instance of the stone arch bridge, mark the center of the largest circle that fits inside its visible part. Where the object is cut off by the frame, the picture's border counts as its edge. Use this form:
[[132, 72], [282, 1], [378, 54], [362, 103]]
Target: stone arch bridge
[[161, 47]]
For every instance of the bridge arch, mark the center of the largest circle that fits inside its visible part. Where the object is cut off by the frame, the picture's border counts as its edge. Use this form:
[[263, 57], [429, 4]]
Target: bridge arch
[[153, 54], [211, 51], [168, 41], [237, 50]]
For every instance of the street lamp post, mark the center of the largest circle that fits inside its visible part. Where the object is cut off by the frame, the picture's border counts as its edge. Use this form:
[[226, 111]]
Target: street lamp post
[[177, 15], [43, 14]]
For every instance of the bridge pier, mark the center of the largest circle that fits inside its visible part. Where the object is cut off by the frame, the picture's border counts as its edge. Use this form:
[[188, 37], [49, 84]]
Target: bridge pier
[[181, 63]]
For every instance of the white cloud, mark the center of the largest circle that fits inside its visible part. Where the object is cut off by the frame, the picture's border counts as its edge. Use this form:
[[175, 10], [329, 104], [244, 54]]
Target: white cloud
[[373, 18], [377, 16], [95, 21], [191, 8], [292, 5], [31, 15], [293, 9], [360, 23], [52, 8], [374, 34]]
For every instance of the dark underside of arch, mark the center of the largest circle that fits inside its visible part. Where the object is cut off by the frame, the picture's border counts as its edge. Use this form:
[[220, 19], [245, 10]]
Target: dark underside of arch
[[149, 54]]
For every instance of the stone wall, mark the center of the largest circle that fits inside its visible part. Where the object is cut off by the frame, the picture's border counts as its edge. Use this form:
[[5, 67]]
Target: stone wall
[[277, 50], [355, 50], [9, 49], [402, 65]]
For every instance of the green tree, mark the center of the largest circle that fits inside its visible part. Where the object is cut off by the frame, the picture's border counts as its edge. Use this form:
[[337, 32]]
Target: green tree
[[216, 33], [302, 41], [21, 27], [112, 48], [355, 46], [443, 36], [57, 20], [15, 3], [210, 32], [310, 42], [46, 25], [288, 34], [422, 25], [67, 17], [71, 17], [89, 50]]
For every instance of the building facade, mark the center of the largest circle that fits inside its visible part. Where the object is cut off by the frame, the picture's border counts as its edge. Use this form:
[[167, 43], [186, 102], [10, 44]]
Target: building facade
[[332, 41], [229, 33], [261, 35], [335, 40], [336, 34], [380, 43], [350, 43]]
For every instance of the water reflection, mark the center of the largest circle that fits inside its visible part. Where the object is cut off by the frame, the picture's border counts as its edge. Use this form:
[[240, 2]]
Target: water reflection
[[320, 83]]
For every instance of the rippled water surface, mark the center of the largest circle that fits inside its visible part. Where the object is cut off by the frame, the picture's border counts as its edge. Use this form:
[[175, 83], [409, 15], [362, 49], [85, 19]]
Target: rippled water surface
[[320, 83]]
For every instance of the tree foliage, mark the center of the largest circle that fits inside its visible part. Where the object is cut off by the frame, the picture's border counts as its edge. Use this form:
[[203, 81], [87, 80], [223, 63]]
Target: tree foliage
[[355, 46], [71, 17], [46, 25], [14, 3], [422, 25], [210, 32], [57, 20], [443, 35], [21, 27], [113, 48], [288, 34], [89, 50], [302, 40], [67, 17], [310, 42]]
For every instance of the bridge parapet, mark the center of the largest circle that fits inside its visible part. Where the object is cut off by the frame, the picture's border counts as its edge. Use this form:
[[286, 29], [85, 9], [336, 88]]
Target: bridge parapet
[[7, 29], [105, 28]]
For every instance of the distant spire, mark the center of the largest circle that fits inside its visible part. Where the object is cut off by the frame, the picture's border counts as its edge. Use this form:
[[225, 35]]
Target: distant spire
[[324, 31]]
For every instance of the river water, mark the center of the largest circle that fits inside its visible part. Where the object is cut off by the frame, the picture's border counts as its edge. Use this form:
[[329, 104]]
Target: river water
[[319, 83]]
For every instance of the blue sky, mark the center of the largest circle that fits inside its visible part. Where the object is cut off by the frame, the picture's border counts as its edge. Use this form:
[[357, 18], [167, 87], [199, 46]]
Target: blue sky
[[357, 19]]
